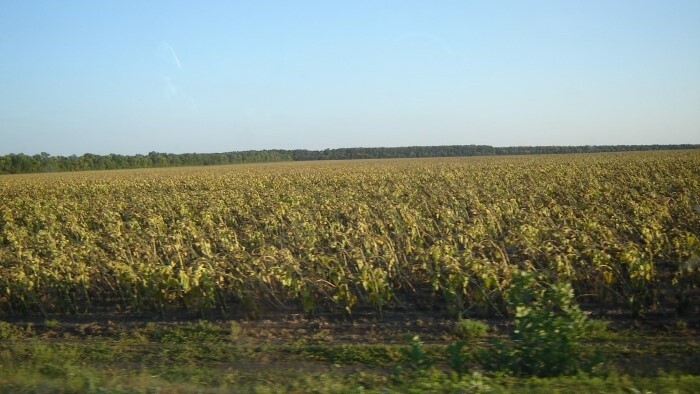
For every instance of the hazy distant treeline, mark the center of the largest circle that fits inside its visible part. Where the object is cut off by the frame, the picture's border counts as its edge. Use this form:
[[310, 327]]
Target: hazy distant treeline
[[45, 162]]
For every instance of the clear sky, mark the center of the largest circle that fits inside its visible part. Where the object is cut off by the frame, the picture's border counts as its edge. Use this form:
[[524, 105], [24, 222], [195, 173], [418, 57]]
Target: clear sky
[[198, 76]]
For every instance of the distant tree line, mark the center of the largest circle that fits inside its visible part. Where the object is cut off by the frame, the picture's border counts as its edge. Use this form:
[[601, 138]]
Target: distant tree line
[[44, 162]]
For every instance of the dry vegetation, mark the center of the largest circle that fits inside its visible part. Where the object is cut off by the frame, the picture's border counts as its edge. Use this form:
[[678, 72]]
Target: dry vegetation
[[430, 234]]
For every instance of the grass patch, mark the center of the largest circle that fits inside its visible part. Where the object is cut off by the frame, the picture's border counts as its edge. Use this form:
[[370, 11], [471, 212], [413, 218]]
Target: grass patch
[[207, 356], [470, 329]]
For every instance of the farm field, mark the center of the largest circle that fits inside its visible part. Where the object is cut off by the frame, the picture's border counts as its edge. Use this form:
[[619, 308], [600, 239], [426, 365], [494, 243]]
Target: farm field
[[93, 264]]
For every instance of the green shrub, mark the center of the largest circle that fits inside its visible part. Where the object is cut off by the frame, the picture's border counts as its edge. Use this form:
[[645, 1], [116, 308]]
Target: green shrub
[[458, 358], [416, 357], [416, 362], [547, 329], [470, 329]]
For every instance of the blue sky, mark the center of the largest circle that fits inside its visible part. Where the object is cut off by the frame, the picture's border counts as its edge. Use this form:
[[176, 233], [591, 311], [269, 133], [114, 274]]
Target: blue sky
[[137, 76]]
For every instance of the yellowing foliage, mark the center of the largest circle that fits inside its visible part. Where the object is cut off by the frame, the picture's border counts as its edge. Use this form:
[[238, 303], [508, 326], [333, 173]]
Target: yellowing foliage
[[420, 233]]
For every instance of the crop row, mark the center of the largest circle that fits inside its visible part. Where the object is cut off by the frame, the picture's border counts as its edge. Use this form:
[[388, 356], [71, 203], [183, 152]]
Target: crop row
[[435, 233]]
